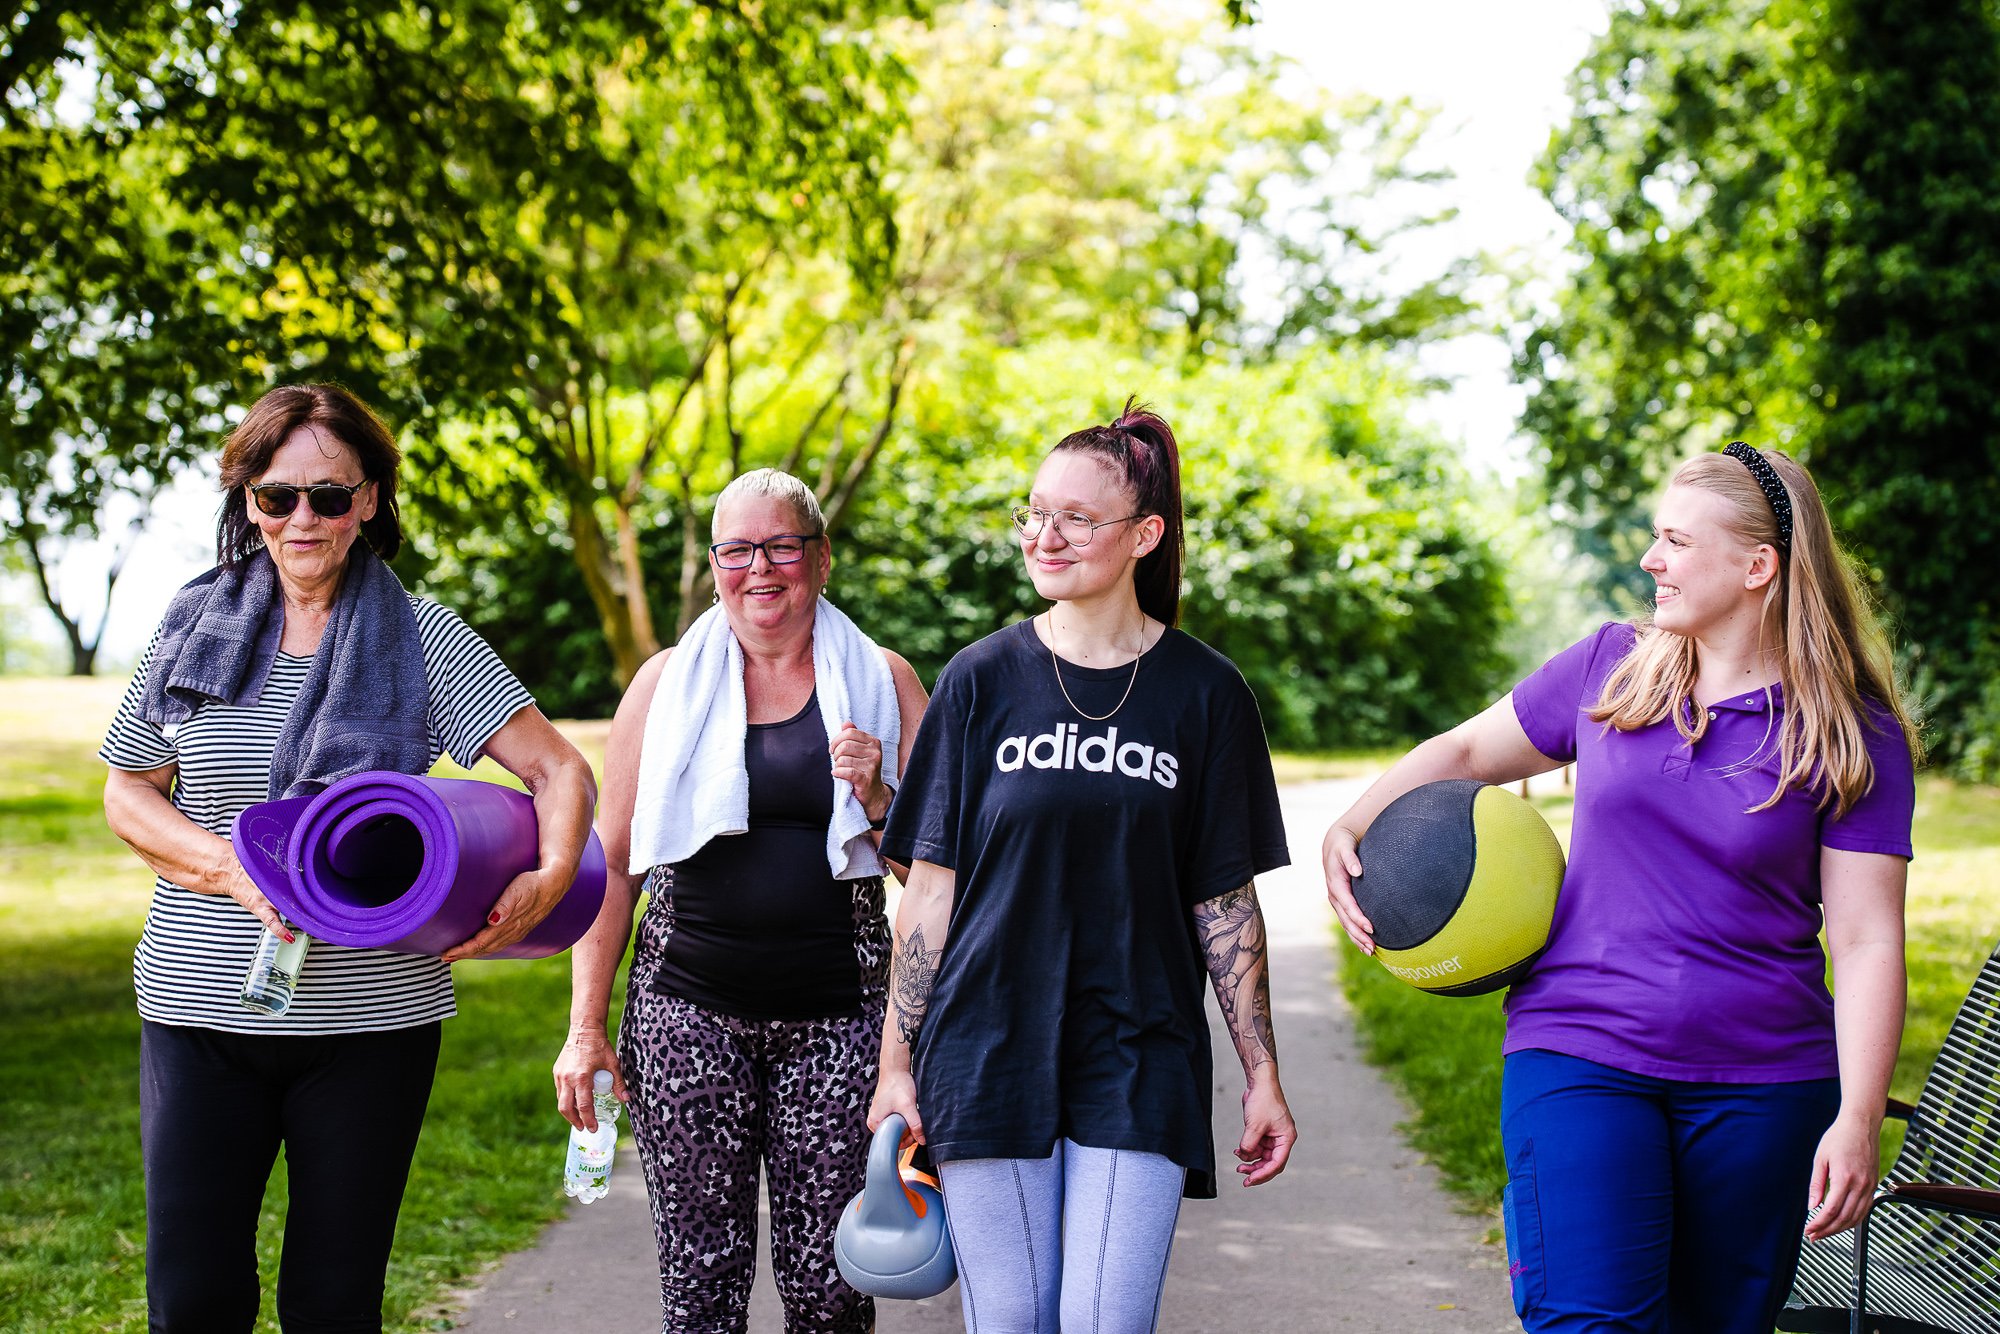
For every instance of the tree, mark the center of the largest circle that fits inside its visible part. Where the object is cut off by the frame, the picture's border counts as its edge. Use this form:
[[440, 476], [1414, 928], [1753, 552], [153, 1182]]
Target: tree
[[1059, 171], [1783, 210], [116, 367], [1331, 543], [1906, 251], [1676, 326], [415, 199]]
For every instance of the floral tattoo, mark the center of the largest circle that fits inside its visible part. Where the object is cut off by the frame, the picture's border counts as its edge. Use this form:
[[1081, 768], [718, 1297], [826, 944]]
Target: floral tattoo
[[1231, 928], [915, 970]]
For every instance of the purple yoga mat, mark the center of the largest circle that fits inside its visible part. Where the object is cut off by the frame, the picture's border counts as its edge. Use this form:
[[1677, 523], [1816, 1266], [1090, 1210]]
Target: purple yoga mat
[[397, 862]]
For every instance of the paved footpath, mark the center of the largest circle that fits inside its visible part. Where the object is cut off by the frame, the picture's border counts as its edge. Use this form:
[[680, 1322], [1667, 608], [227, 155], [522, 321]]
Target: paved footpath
[[1356, 1237]]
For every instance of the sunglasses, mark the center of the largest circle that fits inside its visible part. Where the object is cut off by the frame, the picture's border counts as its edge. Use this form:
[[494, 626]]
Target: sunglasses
[[329, 500]]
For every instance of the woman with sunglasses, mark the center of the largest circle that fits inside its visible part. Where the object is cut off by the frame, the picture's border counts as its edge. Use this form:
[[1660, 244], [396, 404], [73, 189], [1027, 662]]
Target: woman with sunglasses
[[1681, 1098], [1085, 813], [298, 660], [748, 773]]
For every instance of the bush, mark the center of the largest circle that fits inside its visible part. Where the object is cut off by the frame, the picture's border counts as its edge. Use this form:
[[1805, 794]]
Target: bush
[[1332, 545]]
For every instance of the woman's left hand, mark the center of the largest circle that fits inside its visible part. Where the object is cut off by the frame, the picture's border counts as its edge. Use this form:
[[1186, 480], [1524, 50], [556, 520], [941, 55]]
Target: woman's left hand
[[1268, 1132], [528, 898], [857, 758], [1843, 1176]]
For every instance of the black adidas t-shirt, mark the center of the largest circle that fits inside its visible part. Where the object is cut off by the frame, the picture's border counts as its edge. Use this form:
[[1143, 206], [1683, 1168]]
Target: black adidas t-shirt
[[1068, 1000]]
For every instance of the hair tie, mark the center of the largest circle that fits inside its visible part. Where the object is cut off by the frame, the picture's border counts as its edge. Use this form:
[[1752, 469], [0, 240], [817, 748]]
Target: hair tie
[[1771, 485]]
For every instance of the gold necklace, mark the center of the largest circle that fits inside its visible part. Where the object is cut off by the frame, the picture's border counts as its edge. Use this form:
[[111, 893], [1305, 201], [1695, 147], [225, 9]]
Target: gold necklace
[[1056, 662]]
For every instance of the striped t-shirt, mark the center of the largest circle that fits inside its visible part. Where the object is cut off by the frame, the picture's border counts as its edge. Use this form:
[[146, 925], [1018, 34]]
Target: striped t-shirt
[[192, 955]]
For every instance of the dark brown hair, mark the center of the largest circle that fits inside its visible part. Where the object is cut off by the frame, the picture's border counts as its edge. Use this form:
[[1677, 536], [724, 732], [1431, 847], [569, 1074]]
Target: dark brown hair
[[246, 455], [1139, 449]]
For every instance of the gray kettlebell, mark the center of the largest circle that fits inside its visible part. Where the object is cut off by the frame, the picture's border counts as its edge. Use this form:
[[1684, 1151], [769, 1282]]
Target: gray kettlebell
[[892, 1241]]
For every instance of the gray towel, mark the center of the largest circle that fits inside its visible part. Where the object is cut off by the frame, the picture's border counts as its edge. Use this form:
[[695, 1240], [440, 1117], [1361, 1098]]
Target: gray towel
[[365, 703]]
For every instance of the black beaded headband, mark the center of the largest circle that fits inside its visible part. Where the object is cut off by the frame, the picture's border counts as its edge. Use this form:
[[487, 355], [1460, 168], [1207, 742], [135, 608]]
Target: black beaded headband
[[1774, 489]]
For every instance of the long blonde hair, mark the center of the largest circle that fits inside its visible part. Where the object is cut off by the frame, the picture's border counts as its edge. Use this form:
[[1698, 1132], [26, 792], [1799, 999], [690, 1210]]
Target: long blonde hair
[[1833, 658]]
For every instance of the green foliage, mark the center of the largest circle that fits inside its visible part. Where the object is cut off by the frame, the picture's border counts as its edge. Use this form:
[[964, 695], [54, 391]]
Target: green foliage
[[1330, 542], [597, 260], [1906, 253], [514, 581], [1110, 170], [502, 209], [1671, 334], [115, 365], [1785, 213], [1323, 569]]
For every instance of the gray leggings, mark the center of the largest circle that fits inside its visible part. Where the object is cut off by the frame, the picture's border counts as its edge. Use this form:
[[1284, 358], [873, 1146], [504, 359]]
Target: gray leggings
[[1075, 1242]]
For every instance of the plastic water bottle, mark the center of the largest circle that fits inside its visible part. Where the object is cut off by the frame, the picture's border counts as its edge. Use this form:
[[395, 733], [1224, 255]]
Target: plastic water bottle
[[587, 1171], [273, 974]]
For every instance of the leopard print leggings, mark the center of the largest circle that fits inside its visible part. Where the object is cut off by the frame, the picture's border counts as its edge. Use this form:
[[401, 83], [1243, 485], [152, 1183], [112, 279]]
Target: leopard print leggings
[[713, 1096]]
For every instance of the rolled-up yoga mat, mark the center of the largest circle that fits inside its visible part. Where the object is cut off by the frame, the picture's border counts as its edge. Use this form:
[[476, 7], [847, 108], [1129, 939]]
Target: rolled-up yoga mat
[[397, 862]]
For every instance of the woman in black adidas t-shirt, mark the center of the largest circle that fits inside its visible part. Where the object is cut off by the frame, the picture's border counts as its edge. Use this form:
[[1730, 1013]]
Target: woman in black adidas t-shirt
[[1085, 808]]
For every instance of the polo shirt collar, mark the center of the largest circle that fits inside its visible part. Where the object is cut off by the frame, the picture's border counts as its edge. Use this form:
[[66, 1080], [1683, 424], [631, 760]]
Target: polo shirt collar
[[1752, 701]]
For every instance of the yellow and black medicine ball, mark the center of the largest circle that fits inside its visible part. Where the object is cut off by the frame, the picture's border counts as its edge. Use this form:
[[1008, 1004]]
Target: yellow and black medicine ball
[[1459, 879]]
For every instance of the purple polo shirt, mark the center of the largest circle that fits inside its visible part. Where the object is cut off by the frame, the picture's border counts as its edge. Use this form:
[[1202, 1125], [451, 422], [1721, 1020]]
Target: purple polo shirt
[[1686, 938]]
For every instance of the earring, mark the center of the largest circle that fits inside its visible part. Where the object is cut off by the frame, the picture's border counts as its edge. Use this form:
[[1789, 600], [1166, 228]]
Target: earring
[[715, 597]]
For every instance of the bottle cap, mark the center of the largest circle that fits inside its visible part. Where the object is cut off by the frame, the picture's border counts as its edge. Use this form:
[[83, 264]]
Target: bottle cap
[[600, 1083]]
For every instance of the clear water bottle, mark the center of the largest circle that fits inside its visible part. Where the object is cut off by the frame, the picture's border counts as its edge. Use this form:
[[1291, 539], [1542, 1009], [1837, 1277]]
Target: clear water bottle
[[273, 974], [587, 1170]]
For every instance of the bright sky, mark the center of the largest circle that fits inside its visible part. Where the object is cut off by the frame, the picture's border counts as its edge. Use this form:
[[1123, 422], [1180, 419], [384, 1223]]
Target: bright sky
[[1498, 74]]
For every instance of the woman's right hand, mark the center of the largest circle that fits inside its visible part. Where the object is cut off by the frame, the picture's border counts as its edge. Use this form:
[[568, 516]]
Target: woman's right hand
[[896, 1091], [586, 1052], [1341, 853], [238, 885]]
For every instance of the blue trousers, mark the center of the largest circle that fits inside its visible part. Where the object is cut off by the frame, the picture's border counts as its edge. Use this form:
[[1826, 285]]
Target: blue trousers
[[1637, 1205]]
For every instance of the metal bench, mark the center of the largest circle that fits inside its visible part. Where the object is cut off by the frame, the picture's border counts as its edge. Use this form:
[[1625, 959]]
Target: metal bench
[[1926, 1259]]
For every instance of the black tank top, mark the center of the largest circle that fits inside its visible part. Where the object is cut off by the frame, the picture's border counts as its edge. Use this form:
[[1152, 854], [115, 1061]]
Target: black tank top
[[761, 928]]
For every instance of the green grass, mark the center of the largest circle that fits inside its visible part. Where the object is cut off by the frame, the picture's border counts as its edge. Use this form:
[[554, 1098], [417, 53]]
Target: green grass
[[72, 1202], [486, 1176], [72, 1205], [1445, 1053]]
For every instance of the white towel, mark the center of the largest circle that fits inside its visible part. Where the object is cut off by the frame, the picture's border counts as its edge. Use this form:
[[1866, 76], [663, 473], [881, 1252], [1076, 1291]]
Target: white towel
[[692, 783]]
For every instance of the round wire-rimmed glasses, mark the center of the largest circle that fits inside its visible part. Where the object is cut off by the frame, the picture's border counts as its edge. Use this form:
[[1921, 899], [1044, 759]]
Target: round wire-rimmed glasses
[[1073, 528]]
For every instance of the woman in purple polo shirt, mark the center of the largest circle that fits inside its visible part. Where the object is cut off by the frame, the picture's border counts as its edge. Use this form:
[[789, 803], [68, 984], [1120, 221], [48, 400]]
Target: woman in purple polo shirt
[[1680, 1091]]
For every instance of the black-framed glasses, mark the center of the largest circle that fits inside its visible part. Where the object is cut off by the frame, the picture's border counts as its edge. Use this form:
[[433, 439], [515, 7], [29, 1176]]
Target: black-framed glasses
[[329, 500], [1072, 527], [785, 549]]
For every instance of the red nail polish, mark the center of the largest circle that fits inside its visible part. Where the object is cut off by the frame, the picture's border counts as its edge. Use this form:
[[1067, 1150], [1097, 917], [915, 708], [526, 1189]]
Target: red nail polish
[[493, 919]]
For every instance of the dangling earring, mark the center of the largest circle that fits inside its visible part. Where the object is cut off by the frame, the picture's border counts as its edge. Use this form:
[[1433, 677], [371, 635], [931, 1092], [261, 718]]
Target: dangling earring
[[715, 597]]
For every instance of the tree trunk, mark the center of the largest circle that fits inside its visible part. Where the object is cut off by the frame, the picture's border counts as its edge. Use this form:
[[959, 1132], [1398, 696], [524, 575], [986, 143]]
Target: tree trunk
[[697, 584], [593, 560], [645, 639], [82, 655]]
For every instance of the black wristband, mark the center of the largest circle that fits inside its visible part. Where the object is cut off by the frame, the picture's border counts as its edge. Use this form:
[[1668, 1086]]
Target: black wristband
[[879, 825]]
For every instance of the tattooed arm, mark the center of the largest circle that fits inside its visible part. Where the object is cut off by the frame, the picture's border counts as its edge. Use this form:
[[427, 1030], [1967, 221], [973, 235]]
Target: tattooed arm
[[922, 917], [1231, 930]]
